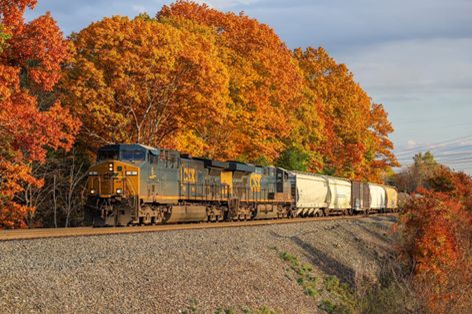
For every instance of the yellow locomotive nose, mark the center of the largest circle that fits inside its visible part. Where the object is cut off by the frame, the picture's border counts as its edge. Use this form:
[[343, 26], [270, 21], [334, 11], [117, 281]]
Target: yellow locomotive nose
[[108, 179]]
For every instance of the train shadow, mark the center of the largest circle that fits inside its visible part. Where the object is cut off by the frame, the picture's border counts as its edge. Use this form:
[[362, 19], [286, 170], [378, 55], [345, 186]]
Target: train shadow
[[325, 263], [381, 234]]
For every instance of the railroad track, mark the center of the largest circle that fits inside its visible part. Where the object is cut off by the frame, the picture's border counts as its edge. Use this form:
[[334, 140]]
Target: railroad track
[[27, 234]]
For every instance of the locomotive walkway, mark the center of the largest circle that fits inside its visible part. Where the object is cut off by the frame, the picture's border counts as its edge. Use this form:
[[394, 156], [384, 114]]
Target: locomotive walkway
[[25, 234]]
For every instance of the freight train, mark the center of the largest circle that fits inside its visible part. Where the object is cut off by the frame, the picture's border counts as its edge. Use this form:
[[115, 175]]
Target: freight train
[[134, 184]]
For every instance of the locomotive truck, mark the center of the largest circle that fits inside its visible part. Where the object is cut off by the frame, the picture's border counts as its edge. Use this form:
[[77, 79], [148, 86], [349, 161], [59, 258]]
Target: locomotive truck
[[134, 184]]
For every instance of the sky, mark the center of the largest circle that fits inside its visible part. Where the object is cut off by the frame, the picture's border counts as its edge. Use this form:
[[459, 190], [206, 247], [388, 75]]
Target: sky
[[414, 57]]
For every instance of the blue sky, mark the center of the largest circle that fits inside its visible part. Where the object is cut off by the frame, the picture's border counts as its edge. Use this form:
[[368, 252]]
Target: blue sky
[[415, 57]]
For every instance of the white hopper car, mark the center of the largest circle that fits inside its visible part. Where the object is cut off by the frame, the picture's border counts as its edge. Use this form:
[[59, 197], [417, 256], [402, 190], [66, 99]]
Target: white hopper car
[[321, 195]]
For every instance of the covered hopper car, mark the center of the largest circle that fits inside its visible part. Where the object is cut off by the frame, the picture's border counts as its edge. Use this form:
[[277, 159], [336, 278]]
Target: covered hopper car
[[133, 184]]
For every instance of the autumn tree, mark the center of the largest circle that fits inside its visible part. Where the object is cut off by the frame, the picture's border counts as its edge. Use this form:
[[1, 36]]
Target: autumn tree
[[416, 175], [352, 131], [437, 245], [436, 240], [30, 65], [378, 158], [139, 80], [265, 83]]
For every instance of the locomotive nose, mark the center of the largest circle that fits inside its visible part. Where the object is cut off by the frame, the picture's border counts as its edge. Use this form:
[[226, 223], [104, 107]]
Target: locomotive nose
[[113, 179]]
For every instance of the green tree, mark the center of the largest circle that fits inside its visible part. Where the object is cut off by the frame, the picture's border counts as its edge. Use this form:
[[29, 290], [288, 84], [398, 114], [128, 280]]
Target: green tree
[[294, 158]]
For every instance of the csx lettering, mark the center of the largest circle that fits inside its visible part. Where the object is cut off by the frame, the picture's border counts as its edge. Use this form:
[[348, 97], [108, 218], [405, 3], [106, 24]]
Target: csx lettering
[[255, 183], [189, 175]]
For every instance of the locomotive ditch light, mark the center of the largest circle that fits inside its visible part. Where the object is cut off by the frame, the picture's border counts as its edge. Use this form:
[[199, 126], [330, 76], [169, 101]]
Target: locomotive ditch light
[[92, 191], [119, 191]]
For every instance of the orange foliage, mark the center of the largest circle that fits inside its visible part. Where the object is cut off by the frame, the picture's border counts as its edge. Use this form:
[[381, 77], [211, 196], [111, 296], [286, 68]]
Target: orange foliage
[[264, 82], [437, 240], [35, 50], [353, 139], [223, 86], [379, 158], [151, 83]]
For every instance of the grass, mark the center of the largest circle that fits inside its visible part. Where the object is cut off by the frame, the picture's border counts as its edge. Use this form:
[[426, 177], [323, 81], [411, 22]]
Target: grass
[[388, 294], [305, 277], [262, 310], [343, 298]]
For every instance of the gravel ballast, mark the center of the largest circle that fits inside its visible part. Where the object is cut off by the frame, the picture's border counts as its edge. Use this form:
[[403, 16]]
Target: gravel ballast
[[185, 271]]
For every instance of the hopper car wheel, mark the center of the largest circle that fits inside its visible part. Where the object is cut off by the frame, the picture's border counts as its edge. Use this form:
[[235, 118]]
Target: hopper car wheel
[[211, 218]]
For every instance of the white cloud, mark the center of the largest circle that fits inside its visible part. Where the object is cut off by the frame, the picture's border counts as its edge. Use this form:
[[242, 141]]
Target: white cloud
[[226, 4], [139, 8], [411, 144]]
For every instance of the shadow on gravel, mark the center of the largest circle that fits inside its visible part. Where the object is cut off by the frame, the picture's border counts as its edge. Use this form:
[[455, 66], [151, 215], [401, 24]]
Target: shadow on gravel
[[384, 218], [324, 262], [382, 231], [380, 235]]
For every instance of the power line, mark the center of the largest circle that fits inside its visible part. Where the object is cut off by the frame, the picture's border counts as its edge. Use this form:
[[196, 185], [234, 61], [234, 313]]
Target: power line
[[431, 145]]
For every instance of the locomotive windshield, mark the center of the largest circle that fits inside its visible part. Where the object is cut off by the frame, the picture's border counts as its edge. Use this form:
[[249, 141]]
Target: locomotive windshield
[[122, 154], [133, 155], [107, 155]]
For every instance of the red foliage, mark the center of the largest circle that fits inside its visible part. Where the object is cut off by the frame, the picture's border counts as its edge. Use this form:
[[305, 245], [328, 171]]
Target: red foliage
[[437, 240], [29, 65]]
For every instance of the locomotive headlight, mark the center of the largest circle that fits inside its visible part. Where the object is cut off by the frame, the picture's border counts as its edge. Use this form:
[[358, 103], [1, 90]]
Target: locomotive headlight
[[110, 167], [131, 173], [119, 191]]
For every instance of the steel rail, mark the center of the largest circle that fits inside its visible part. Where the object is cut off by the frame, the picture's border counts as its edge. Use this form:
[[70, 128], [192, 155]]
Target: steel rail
[[39, 233]]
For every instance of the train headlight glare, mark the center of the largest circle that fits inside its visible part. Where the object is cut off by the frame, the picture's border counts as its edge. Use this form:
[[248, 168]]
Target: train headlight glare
[[92, 191], [119, 191]]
